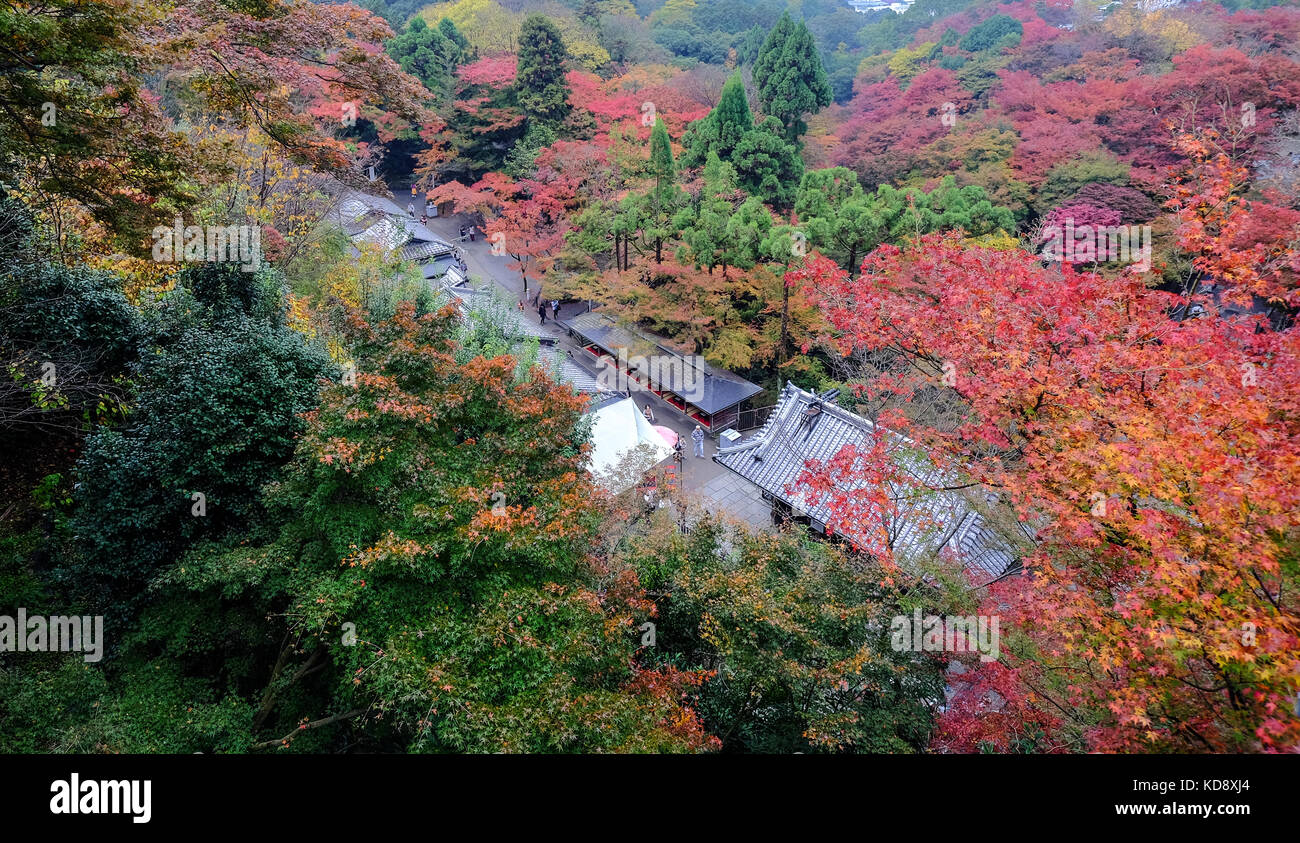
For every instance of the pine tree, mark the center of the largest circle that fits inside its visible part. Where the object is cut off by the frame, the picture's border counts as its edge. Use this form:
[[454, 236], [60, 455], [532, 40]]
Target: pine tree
[[790, 77], [540, 85], [664, 194], [723, 129], [769, 167], [704, 226], [769, 55], [449, 31]]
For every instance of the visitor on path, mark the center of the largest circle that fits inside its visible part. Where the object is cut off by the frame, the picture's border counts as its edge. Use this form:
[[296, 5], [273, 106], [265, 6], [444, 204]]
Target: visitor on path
[[649, 414], [410, 209], [697, 436], [555, 310], [521, 305], [424, 219], [541, 311]]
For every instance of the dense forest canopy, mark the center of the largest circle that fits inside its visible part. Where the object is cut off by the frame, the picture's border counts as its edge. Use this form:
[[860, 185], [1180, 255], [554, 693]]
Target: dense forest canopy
[[323, 508]]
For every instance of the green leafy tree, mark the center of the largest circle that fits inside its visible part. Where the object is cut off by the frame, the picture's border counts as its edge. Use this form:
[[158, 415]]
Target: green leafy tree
[[748, 233], [433, 568], [428, 54], [220, 387], [995, 32], [769, 166], [521, 161], [798, 638], [967, 208], [769, 54], [1068, 177], [838, 216], [449, 31], [845, 223], [664, 196], [67, 338], [704, 224]]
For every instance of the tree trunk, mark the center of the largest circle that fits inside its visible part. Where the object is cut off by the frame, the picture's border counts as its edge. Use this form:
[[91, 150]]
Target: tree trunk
[[785, 319]]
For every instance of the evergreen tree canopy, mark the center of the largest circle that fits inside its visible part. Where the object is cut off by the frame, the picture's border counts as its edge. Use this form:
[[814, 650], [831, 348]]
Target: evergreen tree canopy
[[790, 77], [429, 53], [723, 129], [769, 167], [540, 85]]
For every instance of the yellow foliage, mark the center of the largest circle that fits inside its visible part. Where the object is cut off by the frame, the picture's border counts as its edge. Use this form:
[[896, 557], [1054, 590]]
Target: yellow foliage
[[589, 54], [491, 28], [645, 76], [673, 12], [998, 241], [486, 25], [907, 63], [1175, 34], [299, 317]]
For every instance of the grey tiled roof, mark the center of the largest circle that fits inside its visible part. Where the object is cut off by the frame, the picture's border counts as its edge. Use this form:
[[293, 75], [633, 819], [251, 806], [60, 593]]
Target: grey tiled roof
[[571, 372], [375, 219], [930, 519], [520, 323], [423, 250], [708, 387]]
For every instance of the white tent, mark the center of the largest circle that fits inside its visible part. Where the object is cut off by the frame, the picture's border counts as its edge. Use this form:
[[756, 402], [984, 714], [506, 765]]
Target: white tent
[[624, 446]]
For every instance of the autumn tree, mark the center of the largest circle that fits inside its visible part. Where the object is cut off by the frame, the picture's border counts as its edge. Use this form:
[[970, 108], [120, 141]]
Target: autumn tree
[[104, 151], [1155, 606], [439, 511]]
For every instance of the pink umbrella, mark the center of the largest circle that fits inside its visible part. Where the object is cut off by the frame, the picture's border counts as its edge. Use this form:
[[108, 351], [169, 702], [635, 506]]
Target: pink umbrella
[[669, 435]]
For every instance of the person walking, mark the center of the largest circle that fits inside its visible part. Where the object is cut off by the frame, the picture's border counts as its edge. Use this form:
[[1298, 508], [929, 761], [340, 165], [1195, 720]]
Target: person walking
[[555, 310], [410, 209], [697, 436], [541, 311], [649, 414]]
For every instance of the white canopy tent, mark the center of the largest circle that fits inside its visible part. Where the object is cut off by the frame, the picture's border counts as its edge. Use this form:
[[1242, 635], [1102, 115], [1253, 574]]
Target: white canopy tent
[[624, 446]]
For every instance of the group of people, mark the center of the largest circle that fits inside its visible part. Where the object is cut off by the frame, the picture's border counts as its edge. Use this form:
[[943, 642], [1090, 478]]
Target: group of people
[[410, 212], [543, 306]]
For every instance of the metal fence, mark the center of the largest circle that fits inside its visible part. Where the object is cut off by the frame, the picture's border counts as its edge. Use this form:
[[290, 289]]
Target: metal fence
[[754, 417]]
